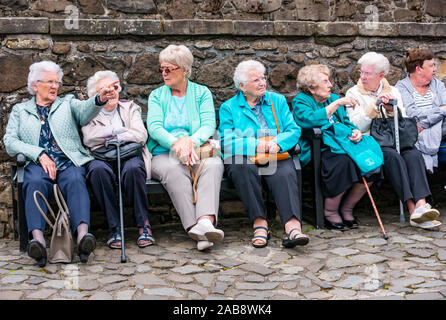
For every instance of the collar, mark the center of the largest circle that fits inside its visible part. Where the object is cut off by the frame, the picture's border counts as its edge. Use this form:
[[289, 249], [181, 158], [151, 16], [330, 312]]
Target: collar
[[384, 87], [241, 101]]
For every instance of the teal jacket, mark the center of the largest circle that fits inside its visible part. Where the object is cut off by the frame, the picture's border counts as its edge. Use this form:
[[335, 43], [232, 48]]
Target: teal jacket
[[67, 115], [201, 112], [239, 125], [308, 113]]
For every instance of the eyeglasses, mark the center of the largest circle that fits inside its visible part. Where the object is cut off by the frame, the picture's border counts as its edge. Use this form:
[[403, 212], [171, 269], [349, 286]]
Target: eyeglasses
[[51, 82], [259, 80], [168, 70]]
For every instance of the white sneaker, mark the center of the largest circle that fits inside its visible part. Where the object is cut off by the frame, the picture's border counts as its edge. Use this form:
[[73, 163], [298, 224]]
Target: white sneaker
[[204, 230], [424, 213], [426, 225], [203, 245]]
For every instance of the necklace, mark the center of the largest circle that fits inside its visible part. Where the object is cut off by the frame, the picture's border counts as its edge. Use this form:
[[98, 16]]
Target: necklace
[[42, 121]]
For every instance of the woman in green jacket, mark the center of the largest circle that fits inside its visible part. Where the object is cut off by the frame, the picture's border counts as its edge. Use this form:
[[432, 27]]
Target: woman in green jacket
[[315, 106], [45, 130], [181, 118]]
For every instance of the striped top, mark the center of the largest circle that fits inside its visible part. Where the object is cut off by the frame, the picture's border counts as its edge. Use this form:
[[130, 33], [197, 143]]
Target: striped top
[[425, 101]]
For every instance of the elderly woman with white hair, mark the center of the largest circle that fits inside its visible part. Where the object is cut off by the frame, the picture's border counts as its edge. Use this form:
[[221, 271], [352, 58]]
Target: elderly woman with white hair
[[118, 120], [45, 130], [245, 120], [406, 171], [180, 119]]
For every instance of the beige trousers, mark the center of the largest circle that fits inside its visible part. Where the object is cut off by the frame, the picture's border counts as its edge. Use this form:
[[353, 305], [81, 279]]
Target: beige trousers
[[176, 179]]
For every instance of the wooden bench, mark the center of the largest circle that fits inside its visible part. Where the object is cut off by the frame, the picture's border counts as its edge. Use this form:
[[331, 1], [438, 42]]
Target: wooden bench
[[154, 187]]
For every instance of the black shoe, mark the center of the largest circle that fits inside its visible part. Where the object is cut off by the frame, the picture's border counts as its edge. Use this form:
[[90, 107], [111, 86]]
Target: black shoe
[[334, 226], [37, 251], [86, 246], [351, 224]]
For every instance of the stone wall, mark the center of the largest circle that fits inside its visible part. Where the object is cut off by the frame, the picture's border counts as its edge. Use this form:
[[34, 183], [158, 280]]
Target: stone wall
[[127, 36]]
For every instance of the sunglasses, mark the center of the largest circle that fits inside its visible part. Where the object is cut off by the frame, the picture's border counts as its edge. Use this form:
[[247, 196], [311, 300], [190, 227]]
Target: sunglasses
[[168, 70]]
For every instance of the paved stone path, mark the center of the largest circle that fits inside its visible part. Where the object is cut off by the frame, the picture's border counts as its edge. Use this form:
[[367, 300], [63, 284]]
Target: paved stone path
[[357, 264]]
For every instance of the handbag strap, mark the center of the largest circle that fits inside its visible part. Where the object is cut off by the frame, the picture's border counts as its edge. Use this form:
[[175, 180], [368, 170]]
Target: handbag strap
[[275, 117], [63, 208], [37, 192], [400, 115]]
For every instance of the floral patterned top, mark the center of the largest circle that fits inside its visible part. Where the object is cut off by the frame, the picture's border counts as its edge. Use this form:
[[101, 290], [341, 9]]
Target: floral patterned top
[[48, 142]]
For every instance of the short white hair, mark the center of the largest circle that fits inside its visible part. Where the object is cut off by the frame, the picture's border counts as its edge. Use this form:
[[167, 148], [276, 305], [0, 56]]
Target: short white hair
[[37, 72], [99, 75], [243, 69], [377, 60], [179, 56]]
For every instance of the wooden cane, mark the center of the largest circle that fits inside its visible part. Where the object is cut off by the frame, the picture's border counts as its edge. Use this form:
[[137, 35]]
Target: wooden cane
[[376, 210]]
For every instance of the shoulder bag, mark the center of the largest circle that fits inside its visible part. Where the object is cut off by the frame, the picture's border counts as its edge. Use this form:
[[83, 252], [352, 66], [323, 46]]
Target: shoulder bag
[[263, 158], [62, 245], [383, 130]]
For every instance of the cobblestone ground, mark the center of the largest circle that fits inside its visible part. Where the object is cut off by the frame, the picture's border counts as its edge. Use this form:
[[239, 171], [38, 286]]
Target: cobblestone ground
[[357, 264]]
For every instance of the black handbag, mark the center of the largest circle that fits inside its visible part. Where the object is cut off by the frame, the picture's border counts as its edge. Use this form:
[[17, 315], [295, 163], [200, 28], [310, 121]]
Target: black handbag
[[108, 152], [383, 130], [128, 149]]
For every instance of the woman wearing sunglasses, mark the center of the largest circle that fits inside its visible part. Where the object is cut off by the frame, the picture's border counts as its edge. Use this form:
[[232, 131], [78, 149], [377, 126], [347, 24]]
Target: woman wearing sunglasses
[[181, 118], [119, 120]]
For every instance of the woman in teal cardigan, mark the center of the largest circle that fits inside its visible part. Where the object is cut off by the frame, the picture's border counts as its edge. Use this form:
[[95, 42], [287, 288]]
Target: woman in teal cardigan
[[316, 107], [181, 118], [244, 120]]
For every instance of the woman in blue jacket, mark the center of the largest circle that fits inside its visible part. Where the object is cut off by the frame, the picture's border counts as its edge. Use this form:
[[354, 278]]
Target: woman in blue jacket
[[244, 119]]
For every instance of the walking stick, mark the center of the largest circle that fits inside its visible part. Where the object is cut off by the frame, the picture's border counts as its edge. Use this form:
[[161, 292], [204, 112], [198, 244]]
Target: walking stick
[[397, 147], [374, 208], [117, 144]]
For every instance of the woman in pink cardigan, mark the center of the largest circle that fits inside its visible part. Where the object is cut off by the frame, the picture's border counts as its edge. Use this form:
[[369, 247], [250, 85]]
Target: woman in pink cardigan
[[118, 120]]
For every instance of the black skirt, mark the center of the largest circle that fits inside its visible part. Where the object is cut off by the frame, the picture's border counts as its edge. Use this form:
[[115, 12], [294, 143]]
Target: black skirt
[[339, 172]]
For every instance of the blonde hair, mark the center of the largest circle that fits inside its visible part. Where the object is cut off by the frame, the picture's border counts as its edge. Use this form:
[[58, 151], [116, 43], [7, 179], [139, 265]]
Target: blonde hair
[[179, 56], [308, 77]]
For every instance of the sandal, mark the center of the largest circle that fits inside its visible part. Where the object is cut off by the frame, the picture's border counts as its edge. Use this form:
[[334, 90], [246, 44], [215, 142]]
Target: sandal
[[115, 242], [299, 239], [262, 238], [145, 236]]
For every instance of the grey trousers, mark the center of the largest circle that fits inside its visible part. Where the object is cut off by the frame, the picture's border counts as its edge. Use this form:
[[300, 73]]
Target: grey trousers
[[176, 179]]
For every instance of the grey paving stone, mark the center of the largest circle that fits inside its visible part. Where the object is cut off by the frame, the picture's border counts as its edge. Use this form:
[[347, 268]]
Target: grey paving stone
[[368, 259], [41, 294], [424, 296], [14, 279], [220, 288], [101, 296], [257, 268], [340, 262], [167, 292], [111, 279], [255, 286], [147, 280], [188, 270], [10, 295], [344, 251]]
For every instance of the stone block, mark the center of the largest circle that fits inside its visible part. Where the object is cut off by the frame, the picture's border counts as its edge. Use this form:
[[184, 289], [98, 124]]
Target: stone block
[[61, 48], [181, 9], [294, 28], [15, 70], [380, 29], [140, 27], [336, 29], [18, 25], [145, 70], [176, 27], [436, 8], [310, 10], [92, 6], [51, 5], [134, 6], [84, 27], [254, 28], [28, 44], [213, 27], [416, 29], [258, 6]]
